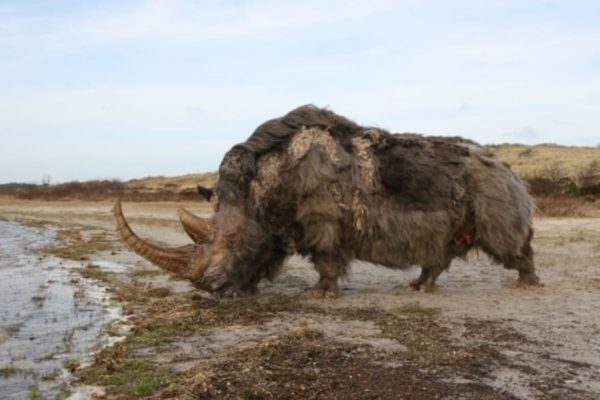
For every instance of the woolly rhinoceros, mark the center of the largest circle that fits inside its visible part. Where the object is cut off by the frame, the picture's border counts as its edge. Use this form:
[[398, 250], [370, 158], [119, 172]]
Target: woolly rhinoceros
[[316, 183]]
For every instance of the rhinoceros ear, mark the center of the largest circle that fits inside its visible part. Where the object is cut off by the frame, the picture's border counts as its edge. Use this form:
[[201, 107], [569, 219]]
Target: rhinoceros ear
[[207, 193]]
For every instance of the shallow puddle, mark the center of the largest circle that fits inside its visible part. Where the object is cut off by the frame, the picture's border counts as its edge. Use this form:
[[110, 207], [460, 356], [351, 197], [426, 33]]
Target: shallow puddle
[[49, 315]]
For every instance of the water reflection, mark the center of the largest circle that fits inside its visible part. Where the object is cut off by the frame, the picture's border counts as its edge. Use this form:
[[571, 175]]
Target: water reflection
[[49, 315]]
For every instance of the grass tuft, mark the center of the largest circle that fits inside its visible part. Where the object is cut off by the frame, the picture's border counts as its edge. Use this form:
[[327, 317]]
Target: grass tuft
[[73, 246], [564, 206], [417, 309], [95, 272], [34, 392], [6, 372], [127, 377]]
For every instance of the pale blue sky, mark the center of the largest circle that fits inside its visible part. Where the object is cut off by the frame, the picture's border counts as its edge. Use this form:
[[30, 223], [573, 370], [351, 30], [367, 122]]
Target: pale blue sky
[[122, 89]]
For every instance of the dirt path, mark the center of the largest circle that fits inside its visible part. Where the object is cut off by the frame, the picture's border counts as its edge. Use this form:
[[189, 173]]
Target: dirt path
[[476, 336]]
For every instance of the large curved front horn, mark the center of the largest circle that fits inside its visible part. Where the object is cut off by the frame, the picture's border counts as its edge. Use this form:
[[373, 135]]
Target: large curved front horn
[[176, 260], [201, 230]]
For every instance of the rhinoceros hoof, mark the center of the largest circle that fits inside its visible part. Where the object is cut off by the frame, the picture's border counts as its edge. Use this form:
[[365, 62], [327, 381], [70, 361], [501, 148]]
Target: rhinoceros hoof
[[528, 280], [422, 287], [320, 293]]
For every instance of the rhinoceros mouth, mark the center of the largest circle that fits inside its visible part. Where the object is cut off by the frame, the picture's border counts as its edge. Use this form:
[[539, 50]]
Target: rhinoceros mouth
[[213, 279]]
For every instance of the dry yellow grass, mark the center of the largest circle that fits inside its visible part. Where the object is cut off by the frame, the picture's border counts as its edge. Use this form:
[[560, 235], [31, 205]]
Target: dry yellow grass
[[188, 181], [549, 161], [528, 161], [525, 160]]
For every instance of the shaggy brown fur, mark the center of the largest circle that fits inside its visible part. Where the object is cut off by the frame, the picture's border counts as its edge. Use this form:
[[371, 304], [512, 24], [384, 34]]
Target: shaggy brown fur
[[336, 191]]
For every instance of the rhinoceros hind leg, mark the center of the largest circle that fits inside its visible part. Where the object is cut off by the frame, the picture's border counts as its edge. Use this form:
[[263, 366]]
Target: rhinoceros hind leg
[[330, 269], [524, 264], [320, 292]]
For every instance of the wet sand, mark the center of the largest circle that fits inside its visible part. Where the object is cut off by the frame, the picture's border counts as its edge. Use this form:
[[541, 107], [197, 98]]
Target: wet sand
[[497, 341]]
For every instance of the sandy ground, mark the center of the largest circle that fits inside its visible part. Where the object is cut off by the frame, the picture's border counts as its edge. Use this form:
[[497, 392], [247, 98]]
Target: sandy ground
[[541, 342]]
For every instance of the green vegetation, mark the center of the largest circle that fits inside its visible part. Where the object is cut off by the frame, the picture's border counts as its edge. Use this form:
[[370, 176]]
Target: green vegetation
[[417, 309], [128, 377], [6, 372], [159, 291], [92, 271], [142, 273], [74, 246], [34, 392], [153, 334]]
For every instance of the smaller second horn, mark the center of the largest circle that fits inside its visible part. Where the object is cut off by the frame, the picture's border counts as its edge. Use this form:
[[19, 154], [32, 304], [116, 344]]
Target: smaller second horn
[[201, 230]]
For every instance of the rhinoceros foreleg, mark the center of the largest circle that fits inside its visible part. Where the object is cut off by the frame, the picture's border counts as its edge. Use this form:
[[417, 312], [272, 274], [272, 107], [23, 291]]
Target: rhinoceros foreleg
[[267, 268]]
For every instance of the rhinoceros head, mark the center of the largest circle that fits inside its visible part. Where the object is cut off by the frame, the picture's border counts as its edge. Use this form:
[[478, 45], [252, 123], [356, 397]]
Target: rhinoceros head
[[219, 258]]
